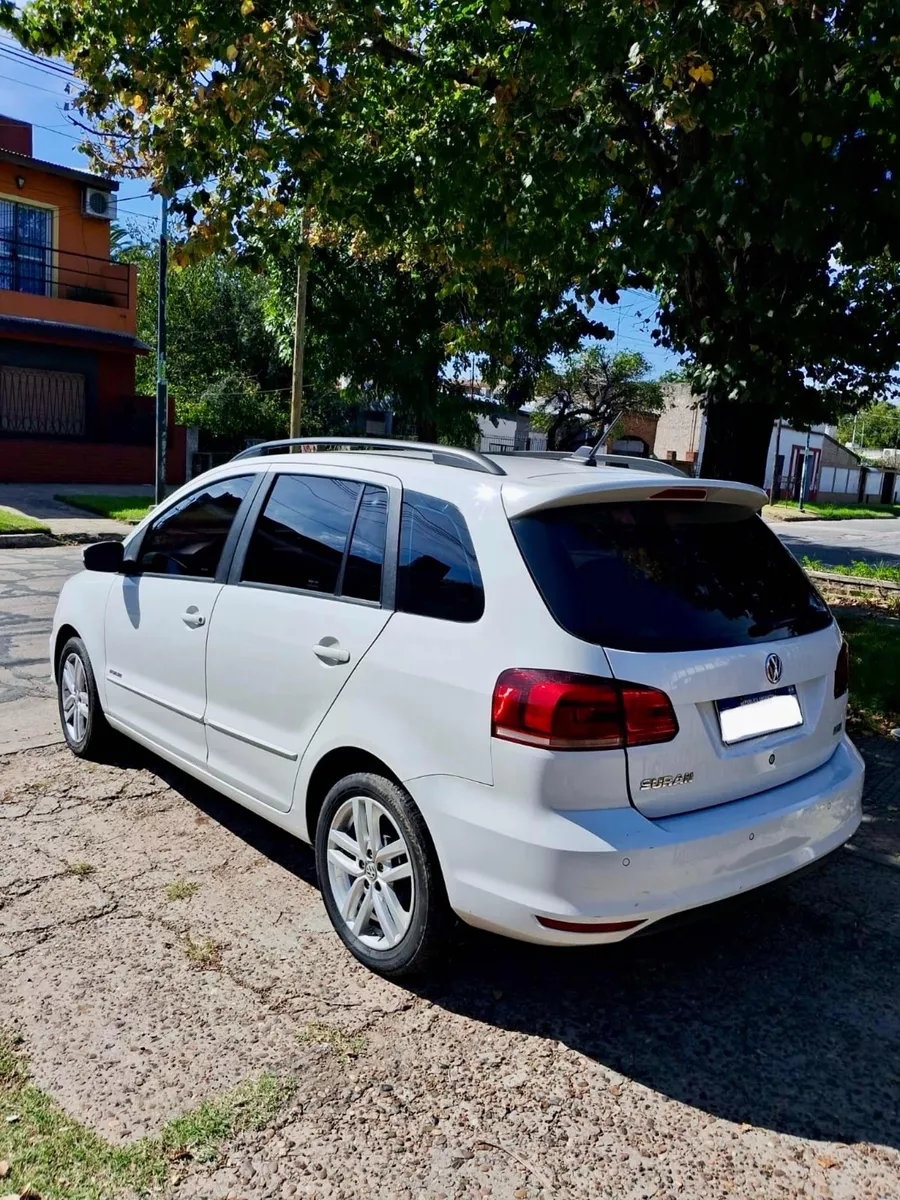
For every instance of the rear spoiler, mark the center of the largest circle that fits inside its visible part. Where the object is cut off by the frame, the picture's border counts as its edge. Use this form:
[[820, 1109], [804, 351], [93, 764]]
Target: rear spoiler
[[558, 491]]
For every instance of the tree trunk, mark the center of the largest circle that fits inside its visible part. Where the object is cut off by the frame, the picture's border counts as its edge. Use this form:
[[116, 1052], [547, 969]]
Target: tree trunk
[[737, 441]]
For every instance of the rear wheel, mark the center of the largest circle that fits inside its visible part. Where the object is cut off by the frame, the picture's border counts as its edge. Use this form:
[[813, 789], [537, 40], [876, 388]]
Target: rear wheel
[[83, 724], [379, 876]]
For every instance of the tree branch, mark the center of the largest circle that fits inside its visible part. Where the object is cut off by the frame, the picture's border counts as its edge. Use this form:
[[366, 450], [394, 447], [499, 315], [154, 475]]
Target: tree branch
[[390, 52], [642, 135]]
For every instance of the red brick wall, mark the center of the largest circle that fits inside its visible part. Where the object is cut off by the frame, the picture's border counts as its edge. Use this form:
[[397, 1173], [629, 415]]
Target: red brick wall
[[637, 425], [115, 378], [45, 461]]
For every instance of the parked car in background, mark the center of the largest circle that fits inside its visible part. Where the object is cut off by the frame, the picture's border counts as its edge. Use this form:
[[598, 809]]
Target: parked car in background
[[555, 698]]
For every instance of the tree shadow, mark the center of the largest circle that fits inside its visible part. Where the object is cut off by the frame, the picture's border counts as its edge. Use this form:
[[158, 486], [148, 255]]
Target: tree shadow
[[779, 1009]]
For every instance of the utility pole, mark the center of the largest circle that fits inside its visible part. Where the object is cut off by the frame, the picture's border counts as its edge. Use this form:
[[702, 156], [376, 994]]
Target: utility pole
[[299, 333], [775, 489], [162, 389], [804, 473]]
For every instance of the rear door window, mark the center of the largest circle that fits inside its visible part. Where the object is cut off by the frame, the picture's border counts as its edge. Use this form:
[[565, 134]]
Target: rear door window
[[438, 573], [362, 573], [667, 575], [302, 533]]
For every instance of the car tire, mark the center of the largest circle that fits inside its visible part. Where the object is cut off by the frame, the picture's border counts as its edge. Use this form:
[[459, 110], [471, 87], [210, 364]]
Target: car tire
[[80, 715], [379, 876]]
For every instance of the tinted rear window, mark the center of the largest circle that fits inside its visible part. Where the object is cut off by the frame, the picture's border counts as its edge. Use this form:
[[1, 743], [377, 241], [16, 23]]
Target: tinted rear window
[[659, 575]]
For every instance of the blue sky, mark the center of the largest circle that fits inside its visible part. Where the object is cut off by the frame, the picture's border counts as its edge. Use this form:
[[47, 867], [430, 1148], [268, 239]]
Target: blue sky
[[34, 90]]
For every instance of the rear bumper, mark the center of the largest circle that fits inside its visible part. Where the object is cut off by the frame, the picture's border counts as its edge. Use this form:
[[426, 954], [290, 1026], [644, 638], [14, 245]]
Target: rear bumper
[[506, 863]]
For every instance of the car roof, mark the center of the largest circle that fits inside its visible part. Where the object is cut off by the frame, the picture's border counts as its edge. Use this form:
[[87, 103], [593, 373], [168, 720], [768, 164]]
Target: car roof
[[528, 482]]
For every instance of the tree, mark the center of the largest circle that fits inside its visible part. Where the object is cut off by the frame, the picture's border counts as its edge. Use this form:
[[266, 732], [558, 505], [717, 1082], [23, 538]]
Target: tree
[[738, 158], [876, 426], [223, 366], [590, 391], [376, 332]]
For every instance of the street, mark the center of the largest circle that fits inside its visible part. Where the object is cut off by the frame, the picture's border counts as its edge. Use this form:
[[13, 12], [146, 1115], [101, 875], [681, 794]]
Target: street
[[30, 581], [843, 542]]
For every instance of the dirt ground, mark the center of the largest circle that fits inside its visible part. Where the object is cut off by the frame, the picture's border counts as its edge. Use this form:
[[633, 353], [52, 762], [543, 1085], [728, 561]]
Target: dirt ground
[[754, 1055]]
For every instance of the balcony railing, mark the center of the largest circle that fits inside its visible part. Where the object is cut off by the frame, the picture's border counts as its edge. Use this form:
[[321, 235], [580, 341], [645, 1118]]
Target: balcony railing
[[37, 270]]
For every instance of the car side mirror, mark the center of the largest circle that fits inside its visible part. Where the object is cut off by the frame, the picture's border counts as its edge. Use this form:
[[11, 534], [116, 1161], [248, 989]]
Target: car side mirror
[[104, 556]]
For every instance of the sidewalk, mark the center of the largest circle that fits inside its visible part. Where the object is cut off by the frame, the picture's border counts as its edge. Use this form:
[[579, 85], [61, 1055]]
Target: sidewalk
[[37, 500]]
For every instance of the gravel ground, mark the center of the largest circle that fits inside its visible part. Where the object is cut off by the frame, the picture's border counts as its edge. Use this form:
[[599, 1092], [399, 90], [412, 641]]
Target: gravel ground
[[755, 1055]]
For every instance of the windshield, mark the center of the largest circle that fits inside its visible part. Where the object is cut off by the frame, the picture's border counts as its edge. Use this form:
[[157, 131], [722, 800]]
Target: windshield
[[667, 575]]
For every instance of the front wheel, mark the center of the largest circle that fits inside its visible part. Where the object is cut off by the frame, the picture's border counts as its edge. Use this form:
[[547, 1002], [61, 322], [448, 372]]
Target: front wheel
[[83, 724], [379, 876]]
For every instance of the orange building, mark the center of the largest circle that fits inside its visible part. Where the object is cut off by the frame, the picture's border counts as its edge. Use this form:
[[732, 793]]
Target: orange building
[[68, 409]]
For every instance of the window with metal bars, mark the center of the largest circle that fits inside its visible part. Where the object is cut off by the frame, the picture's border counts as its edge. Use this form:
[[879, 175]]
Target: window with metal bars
[[41, 403], [26, 244]]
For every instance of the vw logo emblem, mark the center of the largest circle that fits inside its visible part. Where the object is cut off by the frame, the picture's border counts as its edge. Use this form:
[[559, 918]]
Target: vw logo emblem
[[773, 668]]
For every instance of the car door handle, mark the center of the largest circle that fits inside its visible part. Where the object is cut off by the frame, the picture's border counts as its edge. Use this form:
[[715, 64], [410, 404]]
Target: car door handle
[[193, 617], [331, 653]]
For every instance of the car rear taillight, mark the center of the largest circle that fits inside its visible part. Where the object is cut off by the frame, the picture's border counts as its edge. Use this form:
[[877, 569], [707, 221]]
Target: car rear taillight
[[842, 671], [562, 711]]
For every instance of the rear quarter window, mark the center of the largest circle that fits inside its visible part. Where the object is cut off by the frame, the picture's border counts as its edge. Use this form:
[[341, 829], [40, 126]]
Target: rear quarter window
[[438, 573], [667, 575]]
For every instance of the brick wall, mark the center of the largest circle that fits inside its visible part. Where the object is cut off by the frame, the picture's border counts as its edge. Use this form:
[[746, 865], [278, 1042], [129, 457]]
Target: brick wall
[[47, 461], [636, 425]]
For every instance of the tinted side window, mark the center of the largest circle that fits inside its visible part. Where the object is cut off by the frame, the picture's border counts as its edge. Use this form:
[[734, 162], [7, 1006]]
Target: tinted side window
[[438, 573], [362, 575], [302, 532], [189, 537]]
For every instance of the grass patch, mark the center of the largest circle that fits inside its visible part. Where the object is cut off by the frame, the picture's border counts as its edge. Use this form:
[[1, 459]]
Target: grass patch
[[205, 954], [343, 1045], [81, 870], [13, 522], [843, 512], [858, 570], [57, 1158], [116, 508], [181, 890], [874, 672]]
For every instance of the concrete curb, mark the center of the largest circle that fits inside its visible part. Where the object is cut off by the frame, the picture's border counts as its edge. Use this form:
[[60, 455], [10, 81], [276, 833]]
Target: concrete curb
[[10, 541], [87, 539], [27, 541], [855, 581]]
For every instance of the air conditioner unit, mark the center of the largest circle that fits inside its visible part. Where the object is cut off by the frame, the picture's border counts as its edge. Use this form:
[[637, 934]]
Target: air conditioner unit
[[99, 203]]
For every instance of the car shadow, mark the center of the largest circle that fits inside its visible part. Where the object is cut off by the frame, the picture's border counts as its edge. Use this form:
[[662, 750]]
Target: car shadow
[[279, 847], [778, 1010]]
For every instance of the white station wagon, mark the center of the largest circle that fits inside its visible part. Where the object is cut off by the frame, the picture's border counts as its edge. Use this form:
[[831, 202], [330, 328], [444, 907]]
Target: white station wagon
[[561, 698]]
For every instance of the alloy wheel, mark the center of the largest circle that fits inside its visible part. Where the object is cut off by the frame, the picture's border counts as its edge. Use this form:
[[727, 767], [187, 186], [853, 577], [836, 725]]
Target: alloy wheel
[[75, 698], [370, 873]]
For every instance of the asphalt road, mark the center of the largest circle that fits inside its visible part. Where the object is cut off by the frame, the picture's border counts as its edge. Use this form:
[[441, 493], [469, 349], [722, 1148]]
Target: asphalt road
[[842, 542], [30, 581], [29, 584]]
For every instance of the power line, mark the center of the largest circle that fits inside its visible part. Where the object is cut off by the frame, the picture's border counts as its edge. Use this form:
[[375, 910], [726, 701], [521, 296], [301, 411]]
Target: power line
[[36, 64], [36, 87], [13, 49]]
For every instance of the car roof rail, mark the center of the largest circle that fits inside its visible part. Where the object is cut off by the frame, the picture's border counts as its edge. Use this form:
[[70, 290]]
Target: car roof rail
[[588, 458], [445, 456]]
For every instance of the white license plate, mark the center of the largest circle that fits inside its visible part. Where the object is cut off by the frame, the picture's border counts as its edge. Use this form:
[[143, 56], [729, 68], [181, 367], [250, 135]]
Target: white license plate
[[752, 716]]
